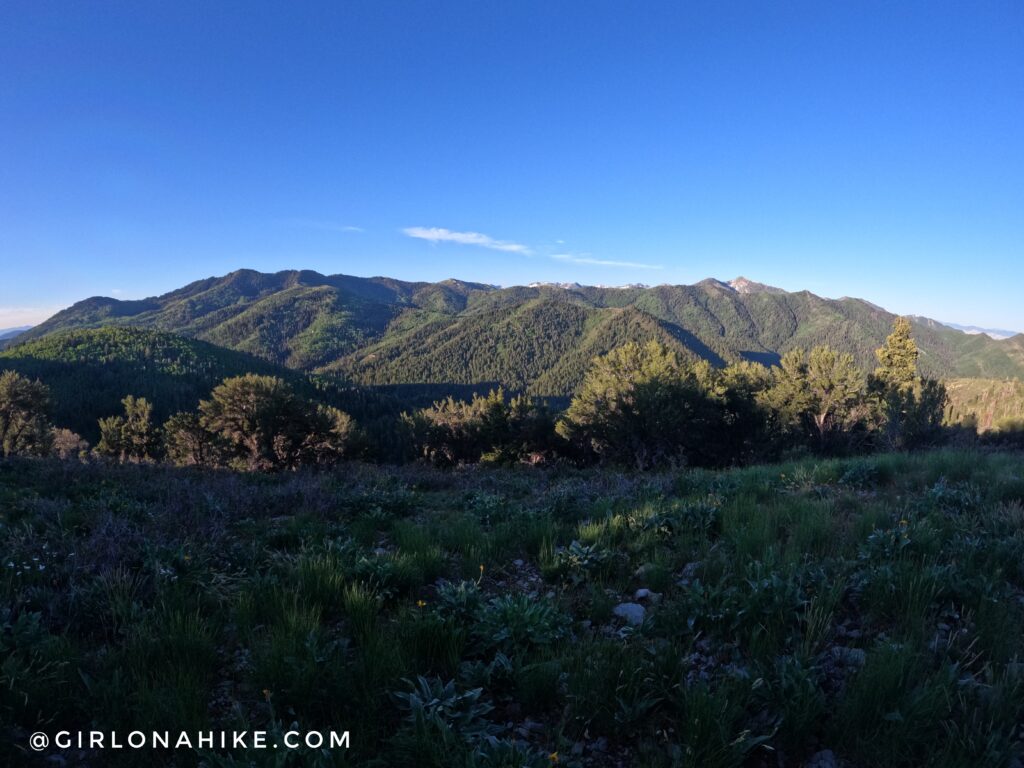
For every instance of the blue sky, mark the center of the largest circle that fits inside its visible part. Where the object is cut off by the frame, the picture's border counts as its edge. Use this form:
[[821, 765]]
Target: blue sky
[[865, 149]]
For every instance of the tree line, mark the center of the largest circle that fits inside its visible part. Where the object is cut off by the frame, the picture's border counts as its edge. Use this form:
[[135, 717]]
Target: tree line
[[640, 405], [249, 422]]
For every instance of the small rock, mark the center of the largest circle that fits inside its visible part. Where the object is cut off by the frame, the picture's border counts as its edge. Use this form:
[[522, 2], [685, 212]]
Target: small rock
[[646, 594], [518, 563], [851, 657], [824, 759], [632, 613]]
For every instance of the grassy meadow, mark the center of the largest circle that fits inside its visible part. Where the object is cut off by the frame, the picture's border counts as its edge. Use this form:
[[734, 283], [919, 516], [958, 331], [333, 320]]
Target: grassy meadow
[[861, 612]]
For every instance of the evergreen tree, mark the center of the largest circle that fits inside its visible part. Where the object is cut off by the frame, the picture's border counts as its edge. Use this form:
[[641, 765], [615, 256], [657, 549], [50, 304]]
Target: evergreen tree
[[820, 396], [188, 443], [69, 445], [640, 404], [265, 425], [130, 437], [330, 435], [489, 428], [836, 387], [909, 408], [897, 358], [744, 435], [259, 417], [24, 416]]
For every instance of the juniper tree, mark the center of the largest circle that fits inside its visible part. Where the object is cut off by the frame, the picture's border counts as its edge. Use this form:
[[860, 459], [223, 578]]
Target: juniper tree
[[492, 428], [642, 404], [24, 416], [819, 394], [265, 425], [188, 443]]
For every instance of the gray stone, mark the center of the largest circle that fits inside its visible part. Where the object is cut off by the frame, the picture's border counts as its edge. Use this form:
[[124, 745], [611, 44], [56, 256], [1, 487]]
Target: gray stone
[[632, 613], [824, 759], [642, 571], [648, 595], [850, 657]]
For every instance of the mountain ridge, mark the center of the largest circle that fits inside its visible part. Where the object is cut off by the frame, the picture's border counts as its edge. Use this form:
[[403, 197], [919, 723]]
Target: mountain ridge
[[537, 338]]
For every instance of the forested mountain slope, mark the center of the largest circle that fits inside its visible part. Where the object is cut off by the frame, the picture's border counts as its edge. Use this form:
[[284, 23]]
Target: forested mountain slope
[[89, 371], [993, 403], [538, 338]]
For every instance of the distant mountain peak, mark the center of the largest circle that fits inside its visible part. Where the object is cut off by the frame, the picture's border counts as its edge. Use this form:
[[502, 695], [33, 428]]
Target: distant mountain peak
[[578, 286], [745, 286], [566, 286]]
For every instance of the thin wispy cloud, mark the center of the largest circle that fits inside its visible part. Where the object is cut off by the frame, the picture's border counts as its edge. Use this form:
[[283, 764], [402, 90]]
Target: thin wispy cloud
[[572, 259], [324, 226], [442, 235]]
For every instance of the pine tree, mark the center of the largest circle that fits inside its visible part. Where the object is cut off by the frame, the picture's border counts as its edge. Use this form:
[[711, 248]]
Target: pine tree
[[909, 408], [897, 358]]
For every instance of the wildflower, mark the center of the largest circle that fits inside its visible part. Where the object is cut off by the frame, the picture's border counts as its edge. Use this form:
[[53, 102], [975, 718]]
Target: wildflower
[[553, 757], [421, 603]]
